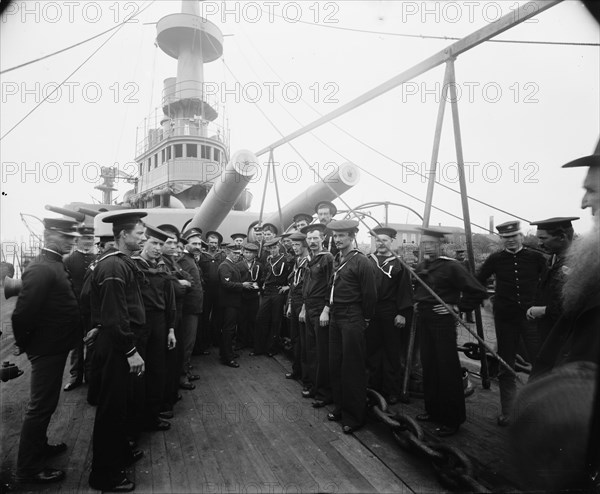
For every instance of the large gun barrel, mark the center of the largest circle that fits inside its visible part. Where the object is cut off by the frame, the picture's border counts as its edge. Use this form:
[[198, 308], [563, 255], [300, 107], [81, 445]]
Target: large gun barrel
[[225, 192], [88, 212], [79, 217], [340, 180]]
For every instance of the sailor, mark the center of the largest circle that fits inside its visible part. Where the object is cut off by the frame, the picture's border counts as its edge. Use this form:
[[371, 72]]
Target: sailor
[[301, 220], [46, 324], [315, 341], [270, 311], [294, 302], [159, 331], [518, 270], [325, 213], [287, 246], [181, 282], [555, 236], [253, 271], [352, 302], [442, 374], [239, 238], [77, 263], [118, 309], [230, 299], [209, 262], [393, 309], [255, 234], [269, 232], [192, 304]]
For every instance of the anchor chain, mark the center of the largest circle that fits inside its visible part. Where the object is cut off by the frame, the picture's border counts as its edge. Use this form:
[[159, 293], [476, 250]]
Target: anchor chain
[[453, 467]]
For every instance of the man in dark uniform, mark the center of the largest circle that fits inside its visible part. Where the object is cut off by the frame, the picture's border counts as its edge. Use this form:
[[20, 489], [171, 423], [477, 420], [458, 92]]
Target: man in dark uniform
[[518, 271], [352, 302], [270, 311], [46, 324], [77, 263], [325, 213], [442, 374], [118, 309], [181, 282], [269, 232], [253, 271], [209, 262], [315, 341], [295, 301], [192, 304], [158, 337], [393, 309], [459, 255], [555, 236], [230, 300]]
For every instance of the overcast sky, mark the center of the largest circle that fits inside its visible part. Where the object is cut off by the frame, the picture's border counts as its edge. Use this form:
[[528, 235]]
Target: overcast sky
[[525, 109]]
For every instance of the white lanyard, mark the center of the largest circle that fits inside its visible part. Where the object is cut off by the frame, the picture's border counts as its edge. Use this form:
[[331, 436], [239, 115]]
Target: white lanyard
[[273, 267], [335, 275], [388, 273]]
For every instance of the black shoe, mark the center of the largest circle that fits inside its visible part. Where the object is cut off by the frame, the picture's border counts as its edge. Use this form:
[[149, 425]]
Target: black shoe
[[136, 455], [158, 425], [46, 476], [503, 420], [231, 363], [166, 414], [307, 393], [255, 354], [193, 377], [123, 484], [291, 375], [54, 449], [271, 354], [424, 417], [72, 385], [334, 416], [187, 385], [349, 429], [445, 431], [320, 403]]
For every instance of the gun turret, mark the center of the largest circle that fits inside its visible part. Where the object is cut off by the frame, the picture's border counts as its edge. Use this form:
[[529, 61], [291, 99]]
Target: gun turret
[[79, 217]]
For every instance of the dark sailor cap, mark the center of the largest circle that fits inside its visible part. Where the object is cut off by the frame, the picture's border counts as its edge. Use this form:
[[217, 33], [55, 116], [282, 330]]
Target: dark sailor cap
[[459, 251], [433, 233], [125, 220], [158, 234], [172, 229], [270, 226], [233, 248], [66, 227], [192, 232], [384, 230], [86, 230], [326, 204], [286, 235], [249, 246], [238, 235], [273, 242], [302, 216], [214, 234], [105, 238], [311, 228], [553, 223], [592, 160], [297, 236], [509, 229], [343, 226]]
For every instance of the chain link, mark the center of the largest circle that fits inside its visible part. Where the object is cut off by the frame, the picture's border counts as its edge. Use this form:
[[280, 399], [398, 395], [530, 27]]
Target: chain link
[[453, 467]]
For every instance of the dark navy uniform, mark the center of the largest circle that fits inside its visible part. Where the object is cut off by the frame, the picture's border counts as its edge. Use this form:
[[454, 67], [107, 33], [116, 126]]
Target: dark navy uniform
[[352, 300], [270, 311], [230, 301], [117, 307], [517, 276], [394, 297], [295, 301], [254, 273], [211, 325], [548, 294], [442, 375], [46, 324], [158, 295]]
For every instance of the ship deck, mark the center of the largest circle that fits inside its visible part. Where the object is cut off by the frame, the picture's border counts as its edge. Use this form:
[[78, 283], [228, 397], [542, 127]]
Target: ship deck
[[249, 430]]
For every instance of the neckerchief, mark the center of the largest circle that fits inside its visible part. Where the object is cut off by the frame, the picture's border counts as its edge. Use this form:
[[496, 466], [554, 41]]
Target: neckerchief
[[388, 273], [275, 264], [353, 252]]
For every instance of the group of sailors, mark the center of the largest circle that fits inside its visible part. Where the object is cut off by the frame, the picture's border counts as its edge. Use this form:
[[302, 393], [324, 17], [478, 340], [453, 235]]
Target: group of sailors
[[154, 296]]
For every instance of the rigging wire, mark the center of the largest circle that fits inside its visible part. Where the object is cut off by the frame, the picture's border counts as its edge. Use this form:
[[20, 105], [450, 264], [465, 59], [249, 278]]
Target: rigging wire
[[72, 46], [424, 36], [72, 73]]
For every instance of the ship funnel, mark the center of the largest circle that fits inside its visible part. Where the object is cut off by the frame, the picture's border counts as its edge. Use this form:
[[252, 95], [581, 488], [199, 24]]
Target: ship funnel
[[226, 191], [79, 217]]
